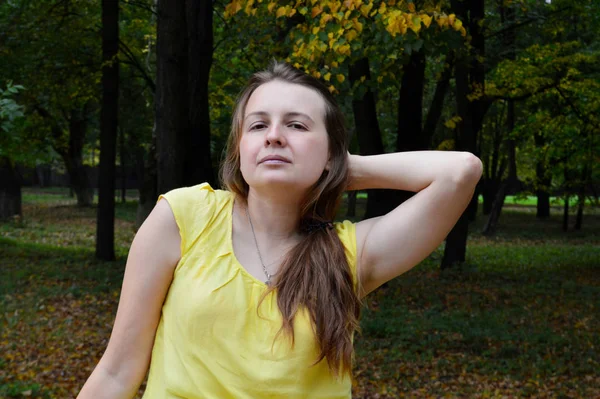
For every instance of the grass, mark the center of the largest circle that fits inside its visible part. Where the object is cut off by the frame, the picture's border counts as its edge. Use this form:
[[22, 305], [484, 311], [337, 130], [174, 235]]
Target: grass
[[528, 200], [62, 193], [519, 319]]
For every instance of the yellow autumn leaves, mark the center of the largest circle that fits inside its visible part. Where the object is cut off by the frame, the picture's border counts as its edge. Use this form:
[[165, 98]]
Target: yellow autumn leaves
[[397, 17], [398, 22], [451, 21], [335, 25], [340, 78]]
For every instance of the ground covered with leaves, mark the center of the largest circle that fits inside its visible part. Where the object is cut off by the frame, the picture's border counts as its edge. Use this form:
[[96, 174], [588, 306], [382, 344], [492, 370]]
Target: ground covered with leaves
[[519, 319]]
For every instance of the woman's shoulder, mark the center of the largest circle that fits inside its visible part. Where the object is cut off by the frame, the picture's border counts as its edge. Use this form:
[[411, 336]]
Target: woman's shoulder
[[190, 192], [199, 194], [194, 208]]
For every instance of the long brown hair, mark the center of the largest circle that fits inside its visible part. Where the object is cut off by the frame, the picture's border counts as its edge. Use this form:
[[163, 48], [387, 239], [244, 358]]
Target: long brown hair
[[315, 274]]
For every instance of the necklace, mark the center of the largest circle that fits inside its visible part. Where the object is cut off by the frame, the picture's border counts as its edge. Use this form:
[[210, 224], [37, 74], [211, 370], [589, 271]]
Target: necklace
[[268, 282]]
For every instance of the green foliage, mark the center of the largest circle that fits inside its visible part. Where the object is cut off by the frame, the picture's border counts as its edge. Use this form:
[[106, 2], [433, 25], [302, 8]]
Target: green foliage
[[14, 145], [9, 109], [553, 79], [137, 31], [54, 49]]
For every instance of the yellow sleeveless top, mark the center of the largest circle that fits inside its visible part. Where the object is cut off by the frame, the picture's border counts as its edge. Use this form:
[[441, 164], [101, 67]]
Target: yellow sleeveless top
[[210, 342]]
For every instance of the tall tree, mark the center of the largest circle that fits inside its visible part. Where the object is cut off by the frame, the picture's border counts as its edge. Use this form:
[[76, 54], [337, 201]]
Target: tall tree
[[511, 184], [367, 129], [470, 78], [105, 230], [184, 57], [410, 135]]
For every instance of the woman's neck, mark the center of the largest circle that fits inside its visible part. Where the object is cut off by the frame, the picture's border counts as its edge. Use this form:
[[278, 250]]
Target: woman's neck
[[273, 218]]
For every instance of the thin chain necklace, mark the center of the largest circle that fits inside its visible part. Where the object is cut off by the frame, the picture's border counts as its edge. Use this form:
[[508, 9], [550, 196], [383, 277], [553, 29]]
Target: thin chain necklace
[[268, 282]]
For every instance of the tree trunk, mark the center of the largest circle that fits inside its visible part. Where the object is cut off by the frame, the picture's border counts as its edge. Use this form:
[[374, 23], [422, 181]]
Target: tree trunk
[[80, 184], [43, 173], [511, 185], [456, 245], [494, 167], [490, 226], [172, 113], [469, 75], [543, 204], [456, 241], [198, 165], [437, 104], [490, 188], [581, 199], [410, 135], [147, 181], [477, 81], [410, 106], [580, 204], [368, 136], [565, 225], [105, 225], [147, 163], [72, 155], [80, 181], [10, 190], [543, 182], [184, 57], [508, 186], [123, 158]]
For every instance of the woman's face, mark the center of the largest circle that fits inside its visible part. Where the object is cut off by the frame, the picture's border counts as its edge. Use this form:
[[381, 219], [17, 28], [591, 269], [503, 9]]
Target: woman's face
[[285, 120]]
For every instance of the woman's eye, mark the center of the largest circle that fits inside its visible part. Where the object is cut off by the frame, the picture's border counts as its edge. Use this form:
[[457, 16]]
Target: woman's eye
[[297, 126], [258, 126]]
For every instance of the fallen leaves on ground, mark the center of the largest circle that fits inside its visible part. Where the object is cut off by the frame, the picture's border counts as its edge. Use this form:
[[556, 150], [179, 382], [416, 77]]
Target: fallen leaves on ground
[[521, 322]]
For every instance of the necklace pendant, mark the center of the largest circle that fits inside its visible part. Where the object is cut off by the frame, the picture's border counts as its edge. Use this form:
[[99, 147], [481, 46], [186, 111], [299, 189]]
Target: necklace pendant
[[268, 282]]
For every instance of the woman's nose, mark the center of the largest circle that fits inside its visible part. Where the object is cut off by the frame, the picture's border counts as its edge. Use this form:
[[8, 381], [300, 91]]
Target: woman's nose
[[274, 136]]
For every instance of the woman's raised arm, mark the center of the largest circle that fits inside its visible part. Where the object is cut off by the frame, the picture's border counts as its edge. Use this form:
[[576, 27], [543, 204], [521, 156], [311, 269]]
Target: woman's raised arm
[[390, 245]]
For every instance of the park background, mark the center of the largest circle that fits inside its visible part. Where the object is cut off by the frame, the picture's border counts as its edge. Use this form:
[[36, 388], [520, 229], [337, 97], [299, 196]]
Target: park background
[[106, 104]]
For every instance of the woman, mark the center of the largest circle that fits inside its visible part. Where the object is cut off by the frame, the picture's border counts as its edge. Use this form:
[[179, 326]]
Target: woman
[[252, 291]]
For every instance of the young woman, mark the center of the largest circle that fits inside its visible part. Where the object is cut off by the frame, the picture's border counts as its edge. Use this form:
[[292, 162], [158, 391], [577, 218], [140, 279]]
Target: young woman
[[252, 291]]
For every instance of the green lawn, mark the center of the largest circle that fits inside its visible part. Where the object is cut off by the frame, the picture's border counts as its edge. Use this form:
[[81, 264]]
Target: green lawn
[[62, 193], [519, 319], [529, 200]]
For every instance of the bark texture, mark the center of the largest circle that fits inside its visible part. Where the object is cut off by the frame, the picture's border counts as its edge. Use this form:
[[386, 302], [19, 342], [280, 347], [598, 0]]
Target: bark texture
[[109, 120]]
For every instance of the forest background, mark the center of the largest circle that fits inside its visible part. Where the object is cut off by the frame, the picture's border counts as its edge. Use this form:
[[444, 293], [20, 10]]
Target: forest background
[[138, 95]]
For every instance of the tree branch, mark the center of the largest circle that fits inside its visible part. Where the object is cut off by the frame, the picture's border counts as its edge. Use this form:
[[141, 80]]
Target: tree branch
[[135, 63], [527, 21], [541, 89], [581, 116], [139, 4]]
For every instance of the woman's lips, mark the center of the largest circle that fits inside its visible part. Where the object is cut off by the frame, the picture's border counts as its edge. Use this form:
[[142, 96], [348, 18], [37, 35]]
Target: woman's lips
[[274, 161]]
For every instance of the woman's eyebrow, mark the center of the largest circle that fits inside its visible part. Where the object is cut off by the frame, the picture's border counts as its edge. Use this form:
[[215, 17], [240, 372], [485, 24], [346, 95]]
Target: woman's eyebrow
[[287, 115]]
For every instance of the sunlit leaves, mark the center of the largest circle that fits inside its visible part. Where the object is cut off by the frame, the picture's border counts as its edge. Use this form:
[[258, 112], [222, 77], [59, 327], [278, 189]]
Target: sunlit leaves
[[331, 31], [538, 67]]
